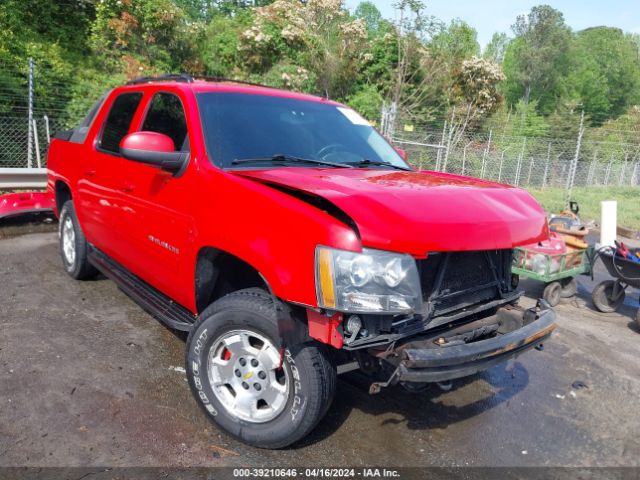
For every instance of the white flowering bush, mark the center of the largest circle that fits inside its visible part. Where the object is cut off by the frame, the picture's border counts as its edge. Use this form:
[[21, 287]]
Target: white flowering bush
[[478, 82], [316, 36]]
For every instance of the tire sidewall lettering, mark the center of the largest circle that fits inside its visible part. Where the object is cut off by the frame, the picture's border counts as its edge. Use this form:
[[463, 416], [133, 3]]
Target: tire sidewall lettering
[[196, 369], [298, 401]]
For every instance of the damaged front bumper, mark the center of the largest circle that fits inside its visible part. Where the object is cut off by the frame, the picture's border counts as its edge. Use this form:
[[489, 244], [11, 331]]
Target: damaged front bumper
[[438, 358]]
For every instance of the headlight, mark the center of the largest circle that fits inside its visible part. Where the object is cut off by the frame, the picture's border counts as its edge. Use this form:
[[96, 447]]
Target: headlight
[[373, 281]]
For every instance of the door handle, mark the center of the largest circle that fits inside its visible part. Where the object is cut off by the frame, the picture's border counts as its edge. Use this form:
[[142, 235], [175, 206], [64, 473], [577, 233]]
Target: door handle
[[127, 187], [90, 173]]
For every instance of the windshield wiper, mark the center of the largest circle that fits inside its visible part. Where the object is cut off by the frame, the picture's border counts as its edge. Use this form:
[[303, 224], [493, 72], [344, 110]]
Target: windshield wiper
[[282, 158], [366, 161]]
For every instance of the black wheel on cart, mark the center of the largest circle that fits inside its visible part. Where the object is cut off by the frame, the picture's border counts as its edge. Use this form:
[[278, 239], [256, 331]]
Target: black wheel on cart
[[638, 318], [515, 280], [552, 293], [569, 287], [608, 296]]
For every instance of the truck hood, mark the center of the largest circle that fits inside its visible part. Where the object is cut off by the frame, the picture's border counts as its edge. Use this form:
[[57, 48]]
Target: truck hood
[[418, 211]]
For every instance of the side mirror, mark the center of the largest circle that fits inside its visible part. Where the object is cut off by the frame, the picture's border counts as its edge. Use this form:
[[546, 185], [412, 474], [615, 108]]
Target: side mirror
[[402, 153], [155, 149]]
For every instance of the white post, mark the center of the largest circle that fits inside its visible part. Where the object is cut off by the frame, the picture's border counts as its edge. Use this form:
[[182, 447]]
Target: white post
[[36, 142], [622, 171], [46, 126], [520, 158], [546, 167], [439, 152], [484, 155], [608, 222], [574, 164]]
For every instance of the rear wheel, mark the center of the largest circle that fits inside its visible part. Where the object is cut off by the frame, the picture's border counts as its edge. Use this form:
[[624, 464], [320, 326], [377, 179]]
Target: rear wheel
[[569, 287], [236, 373], [552, 293], [607, 297], [73, 245]]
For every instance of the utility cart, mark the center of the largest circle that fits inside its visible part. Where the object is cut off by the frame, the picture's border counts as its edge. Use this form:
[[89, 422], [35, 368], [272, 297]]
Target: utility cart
[[610, 294], [556, 270]]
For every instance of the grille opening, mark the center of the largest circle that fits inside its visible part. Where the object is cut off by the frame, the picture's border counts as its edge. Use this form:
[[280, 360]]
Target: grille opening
[[452, 281]]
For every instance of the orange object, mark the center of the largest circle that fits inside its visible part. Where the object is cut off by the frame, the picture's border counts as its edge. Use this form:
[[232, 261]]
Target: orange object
[[574, 242]]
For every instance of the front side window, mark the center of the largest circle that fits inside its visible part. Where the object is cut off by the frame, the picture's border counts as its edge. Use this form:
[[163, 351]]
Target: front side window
[[240, 128], [166, 116], [117, 124]]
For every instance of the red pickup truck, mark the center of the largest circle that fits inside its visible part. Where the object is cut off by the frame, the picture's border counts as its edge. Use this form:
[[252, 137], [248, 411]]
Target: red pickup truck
[[292, 242]]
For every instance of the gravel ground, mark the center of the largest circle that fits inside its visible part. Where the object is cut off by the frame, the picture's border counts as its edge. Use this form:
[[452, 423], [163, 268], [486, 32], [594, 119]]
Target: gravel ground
[[87, 378]]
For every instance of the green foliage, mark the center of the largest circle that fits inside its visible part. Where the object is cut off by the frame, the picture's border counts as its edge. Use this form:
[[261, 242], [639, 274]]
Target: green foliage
[[220, 51], [536, 60], [368, 101], [428, 69], [606, 72], [456, 43], [371, 16], [144, 36], [497, 47], [317, 37]]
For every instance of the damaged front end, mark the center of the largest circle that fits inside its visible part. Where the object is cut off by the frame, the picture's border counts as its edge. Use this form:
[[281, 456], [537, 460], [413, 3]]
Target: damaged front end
[[470, 321], [473, 347]]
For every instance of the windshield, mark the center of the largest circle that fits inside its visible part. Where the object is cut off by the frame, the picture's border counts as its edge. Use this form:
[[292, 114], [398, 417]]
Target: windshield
[[244, 130]]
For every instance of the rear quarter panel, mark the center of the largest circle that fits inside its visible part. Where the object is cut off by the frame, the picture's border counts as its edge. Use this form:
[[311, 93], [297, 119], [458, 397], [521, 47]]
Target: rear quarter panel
[[63, 164]]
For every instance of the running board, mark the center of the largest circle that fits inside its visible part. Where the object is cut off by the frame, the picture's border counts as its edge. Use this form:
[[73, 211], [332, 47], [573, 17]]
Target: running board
[[148, 297]]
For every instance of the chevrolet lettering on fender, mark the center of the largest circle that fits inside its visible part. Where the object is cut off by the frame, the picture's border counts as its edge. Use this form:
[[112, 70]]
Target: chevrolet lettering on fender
[[292, 242]]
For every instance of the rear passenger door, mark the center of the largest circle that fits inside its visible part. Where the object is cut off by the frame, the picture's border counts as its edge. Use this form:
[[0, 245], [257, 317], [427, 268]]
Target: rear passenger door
[[97, 187], [156, 204]]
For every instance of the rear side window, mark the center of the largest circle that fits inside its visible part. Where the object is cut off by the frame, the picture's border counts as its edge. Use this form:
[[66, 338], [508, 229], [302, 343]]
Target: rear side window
[[79, 134], [166, 116], [118, 121]]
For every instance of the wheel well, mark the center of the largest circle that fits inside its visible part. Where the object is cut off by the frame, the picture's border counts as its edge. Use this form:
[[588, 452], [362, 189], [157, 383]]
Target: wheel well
[[63, 193], [219, 273]]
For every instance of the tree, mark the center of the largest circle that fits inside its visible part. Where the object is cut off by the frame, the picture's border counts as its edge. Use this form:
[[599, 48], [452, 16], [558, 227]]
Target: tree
[[496, 48], [220, 50], [456, 43], [145, 36], [305, 43], [475, 96], [370, 15], [605, 73], [536, 60], [416, 80]]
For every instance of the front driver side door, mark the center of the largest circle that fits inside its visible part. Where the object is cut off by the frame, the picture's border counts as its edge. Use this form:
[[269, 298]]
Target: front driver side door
[[156, 204]]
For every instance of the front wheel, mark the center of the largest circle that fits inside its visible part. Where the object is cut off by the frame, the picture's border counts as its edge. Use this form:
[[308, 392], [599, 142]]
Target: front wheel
[[242, 382], [607, 297]]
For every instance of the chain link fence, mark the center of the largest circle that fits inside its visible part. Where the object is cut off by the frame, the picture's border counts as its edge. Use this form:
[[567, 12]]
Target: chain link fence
[[523, 161], [14, 140]]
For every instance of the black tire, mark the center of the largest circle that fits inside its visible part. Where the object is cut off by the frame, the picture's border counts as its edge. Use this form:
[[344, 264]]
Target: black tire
[[602, 297], [638, 318], [310, 372], [552, 293], [77, 265], [515, 280], [569, 287]]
